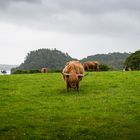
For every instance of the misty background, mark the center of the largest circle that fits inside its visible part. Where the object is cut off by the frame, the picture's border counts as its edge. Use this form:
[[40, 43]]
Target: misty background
[[78, 27]]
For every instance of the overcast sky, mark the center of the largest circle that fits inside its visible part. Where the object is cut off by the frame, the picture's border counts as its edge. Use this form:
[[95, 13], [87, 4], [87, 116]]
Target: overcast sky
[[79, 27]]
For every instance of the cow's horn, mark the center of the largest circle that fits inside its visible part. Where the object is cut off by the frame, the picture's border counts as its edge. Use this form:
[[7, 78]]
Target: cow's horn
[[86, 74], [82, 75], [66, 74]]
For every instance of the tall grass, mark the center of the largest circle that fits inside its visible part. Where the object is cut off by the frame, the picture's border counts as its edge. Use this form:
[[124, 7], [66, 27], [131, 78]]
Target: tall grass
[[37, 106]]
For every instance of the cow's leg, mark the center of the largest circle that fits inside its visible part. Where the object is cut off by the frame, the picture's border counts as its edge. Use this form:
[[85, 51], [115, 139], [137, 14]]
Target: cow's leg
[[68, 87], [95, 68], [77, 86]]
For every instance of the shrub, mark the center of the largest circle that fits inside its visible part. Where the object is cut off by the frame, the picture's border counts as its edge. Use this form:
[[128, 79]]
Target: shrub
[[25, 71], [104, 67]]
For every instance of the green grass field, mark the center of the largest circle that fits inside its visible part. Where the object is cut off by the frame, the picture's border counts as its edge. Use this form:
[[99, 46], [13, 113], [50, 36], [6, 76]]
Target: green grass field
[[37, 106]]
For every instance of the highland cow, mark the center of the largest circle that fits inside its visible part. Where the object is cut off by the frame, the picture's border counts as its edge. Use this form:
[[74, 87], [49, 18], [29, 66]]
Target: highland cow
[[44, 70], [91, 65], [73, 74], [126, 68]]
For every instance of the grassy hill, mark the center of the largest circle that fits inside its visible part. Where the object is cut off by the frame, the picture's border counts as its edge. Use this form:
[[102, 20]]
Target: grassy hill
[[115, 60], [37, 107]]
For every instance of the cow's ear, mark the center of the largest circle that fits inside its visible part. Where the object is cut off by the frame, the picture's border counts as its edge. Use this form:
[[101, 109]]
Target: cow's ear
[[67, 76]]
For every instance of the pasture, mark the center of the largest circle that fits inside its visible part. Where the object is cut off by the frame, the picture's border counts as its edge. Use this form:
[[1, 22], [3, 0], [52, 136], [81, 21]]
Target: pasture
[[37, 106]]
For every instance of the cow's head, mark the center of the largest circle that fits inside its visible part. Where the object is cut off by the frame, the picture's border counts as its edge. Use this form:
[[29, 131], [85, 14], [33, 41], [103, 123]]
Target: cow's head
[[72, 79]]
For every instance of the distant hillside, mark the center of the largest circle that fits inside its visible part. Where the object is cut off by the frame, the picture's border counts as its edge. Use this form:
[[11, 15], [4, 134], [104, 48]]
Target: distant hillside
[[52, 59], [115, 60], [7, 67], [55, 60]]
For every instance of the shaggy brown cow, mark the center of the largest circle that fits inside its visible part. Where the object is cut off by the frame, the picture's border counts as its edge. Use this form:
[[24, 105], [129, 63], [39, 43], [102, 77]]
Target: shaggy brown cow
[[44, 70], [126, 68], [91, 65], [73, 74]]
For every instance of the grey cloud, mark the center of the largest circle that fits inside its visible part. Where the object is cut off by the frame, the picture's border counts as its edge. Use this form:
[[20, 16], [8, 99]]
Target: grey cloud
[[32, 1], [94, 6], [5, 3], [111, 17]]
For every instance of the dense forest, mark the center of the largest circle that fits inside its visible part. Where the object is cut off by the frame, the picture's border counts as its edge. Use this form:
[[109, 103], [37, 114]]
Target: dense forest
[[113, 60], [133, 61], [54, 59]]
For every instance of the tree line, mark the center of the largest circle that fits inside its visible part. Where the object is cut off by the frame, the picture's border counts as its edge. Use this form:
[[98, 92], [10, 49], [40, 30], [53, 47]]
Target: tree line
[[55, 60]]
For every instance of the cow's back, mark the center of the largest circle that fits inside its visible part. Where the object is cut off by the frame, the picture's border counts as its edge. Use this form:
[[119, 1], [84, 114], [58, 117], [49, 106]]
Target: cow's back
[[74, 67]]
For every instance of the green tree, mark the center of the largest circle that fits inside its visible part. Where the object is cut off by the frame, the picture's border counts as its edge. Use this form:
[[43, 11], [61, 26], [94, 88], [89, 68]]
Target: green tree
[[133, 61], [52, 59]]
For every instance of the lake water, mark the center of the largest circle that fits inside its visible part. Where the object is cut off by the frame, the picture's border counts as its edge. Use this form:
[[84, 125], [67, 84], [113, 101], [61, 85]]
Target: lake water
[[8, 72]]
